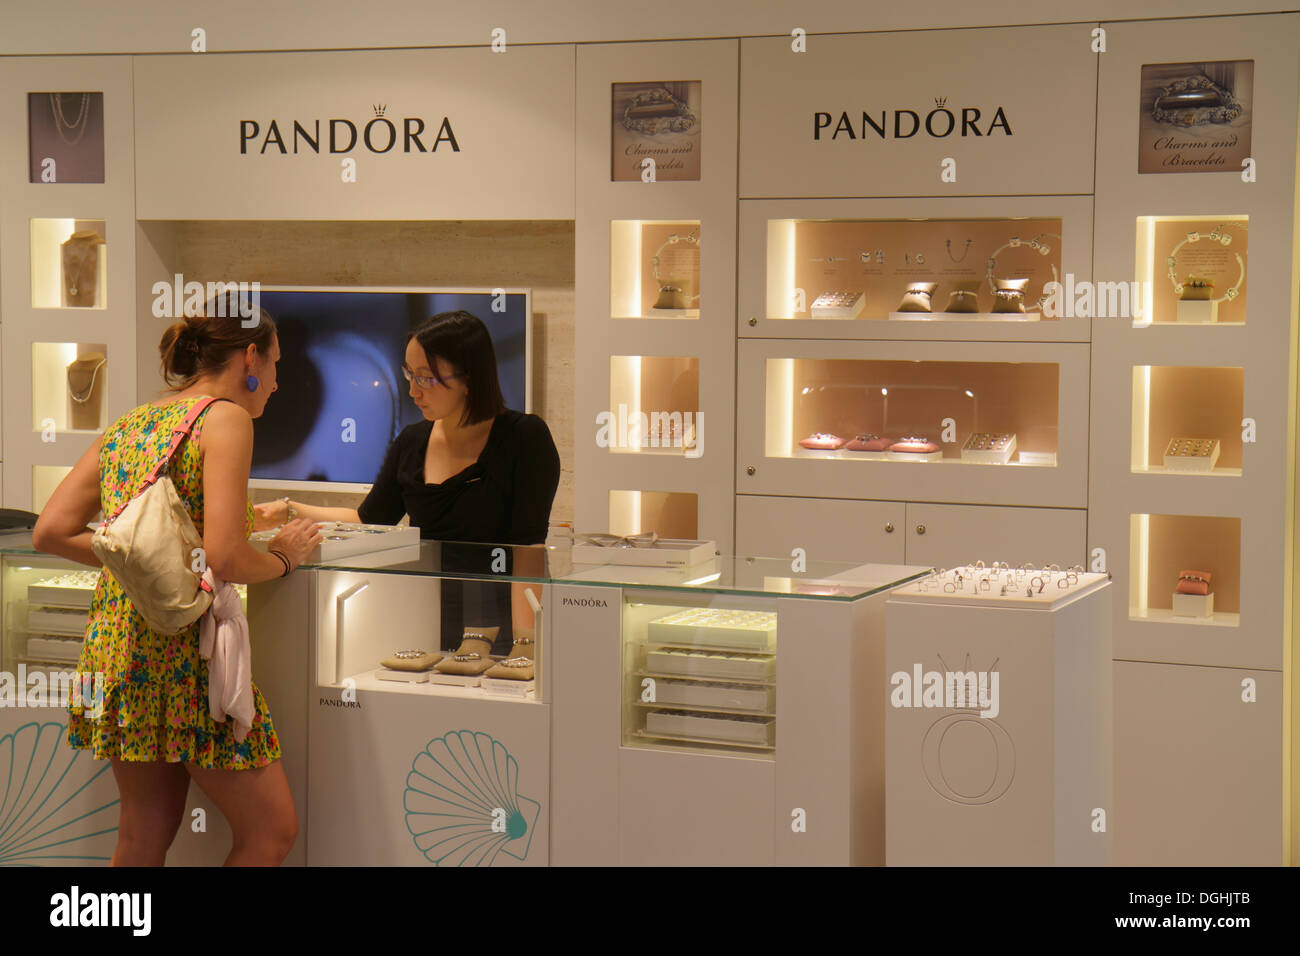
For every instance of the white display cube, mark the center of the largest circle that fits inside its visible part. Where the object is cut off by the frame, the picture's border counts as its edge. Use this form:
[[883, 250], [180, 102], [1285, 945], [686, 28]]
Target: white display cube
[[1198, 311], [1194, 605]]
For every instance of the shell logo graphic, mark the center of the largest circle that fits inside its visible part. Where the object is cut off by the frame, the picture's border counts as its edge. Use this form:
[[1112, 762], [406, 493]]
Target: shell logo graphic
[[462, 802], [51, 813]]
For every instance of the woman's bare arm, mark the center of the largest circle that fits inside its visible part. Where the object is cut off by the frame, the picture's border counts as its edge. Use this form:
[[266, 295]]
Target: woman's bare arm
[[227, 444], [61, 527]]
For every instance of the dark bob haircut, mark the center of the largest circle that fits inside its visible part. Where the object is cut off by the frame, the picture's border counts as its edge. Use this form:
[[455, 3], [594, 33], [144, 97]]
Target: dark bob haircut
[[462, 340]]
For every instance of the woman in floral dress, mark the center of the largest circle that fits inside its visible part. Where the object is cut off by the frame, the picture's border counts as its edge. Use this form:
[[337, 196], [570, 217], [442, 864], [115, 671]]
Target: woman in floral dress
[[154, 723]]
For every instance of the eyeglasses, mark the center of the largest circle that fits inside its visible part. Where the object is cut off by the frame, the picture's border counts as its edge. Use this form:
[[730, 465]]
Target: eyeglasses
[[425, 381]]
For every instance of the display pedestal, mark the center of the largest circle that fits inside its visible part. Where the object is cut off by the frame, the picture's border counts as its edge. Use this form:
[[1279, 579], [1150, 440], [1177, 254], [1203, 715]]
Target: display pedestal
[[1025, 781], [1198, 311], [1194, 605]]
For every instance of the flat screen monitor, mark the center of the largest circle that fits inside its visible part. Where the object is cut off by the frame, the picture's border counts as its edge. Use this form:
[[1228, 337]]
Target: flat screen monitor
[[342, 398]]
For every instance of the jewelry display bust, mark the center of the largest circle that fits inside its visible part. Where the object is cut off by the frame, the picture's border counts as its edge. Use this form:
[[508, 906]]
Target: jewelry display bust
[[81, 268]]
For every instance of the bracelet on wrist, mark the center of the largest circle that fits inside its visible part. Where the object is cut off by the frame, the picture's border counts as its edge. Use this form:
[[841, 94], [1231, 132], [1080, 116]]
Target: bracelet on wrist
[[283, 560]]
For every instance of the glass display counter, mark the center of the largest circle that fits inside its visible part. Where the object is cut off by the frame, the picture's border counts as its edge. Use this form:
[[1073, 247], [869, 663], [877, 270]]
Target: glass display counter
[[638, 692]]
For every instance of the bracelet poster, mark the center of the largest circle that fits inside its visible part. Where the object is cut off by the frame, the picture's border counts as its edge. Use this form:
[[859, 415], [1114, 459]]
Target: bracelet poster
[[1195, 117], [660, 122]]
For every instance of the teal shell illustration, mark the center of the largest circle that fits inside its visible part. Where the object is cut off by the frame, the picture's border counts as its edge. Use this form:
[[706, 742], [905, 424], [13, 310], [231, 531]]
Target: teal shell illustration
[[54, 808], [462, 802]]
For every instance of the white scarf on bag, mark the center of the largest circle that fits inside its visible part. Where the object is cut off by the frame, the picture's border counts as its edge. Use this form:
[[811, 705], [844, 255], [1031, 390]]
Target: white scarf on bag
[[224, 644]]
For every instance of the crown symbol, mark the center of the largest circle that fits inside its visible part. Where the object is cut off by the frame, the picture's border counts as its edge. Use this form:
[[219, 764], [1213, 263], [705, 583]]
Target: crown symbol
[[967, 664], [939, 101], [379, 109]]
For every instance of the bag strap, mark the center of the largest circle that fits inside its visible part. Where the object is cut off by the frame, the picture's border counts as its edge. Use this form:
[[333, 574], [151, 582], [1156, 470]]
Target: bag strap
[[178, 435]]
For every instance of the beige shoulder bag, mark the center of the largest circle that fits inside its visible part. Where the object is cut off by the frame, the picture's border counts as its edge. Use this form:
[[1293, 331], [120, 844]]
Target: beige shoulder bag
[[150, 546]]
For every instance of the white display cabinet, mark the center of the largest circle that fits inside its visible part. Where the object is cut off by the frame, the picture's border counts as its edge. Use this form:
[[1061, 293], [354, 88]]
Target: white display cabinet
[[1212, 365], [796, 255], [67, 307], [63, 804], [882, 393], [452, 774], [696, 724], [655, 271], [998, 730], [908, 532]]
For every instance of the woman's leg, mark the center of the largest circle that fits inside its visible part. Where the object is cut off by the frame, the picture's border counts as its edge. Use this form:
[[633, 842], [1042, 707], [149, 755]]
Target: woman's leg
[[152, 806], [258, 807]]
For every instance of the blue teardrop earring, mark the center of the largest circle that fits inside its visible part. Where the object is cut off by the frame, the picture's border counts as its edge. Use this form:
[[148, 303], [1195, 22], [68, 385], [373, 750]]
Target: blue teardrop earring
[[252, 383]]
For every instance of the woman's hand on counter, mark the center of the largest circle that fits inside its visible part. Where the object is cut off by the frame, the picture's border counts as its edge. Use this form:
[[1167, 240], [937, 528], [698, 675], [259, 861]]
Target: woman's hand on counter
[[296, 540], [270, 514]]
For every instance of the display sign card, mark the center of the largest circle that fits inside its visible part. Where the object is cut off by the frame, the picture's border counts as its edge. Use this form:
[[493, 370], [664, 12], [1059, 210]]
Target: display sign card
[[656, 132], [1195, 117]]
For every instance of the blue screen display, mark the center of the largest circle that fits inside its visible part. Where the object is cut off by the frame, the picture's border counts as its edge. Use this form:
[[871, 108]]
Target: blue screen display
[[341, 398]]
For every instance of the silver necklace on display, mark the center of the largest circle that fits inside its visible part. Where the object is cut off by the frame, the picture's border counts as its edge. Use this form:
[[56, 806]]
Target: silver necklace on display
[[61, 121]]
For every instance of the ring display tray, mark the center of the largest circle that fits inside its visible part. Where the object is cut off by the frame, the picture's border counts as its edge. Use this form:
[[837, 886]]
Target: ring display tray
[[1192, 454], [712, 695], [731, 729], [342, 539], [990, 448], [63, 621], [664, 553], [49, 648], [710, 665], [72, 590], [713, 627], [838, 305]]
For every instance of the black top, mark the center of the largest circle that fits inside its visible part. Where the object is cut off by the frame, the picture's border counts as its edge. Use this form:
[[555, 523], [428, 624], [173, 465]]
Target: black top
[[503, 498]]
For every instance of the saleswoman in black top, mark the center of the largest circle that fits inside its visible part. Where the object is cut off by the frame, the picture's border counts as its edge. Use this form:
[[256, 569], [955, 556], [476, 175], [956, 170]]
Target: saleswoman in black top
[[472, 471]]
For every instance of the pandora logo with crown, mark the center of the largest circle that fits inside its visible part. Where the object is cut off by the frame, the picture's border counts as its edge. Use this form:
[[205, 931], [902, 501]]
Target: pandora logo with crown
[[410, 134], [940, 122]]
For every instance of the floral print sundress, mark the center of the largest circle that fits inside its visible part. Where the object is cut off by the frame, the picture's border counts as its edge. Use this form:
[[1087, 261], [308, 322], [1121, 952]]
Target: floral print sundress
[[155, 704]]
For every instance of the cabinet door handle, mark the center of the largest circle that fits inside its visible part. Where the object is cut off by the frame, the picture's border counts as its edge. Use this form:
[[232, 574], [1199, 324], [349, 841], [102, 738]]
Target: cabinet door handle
[[920, 529], [889, 527]]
